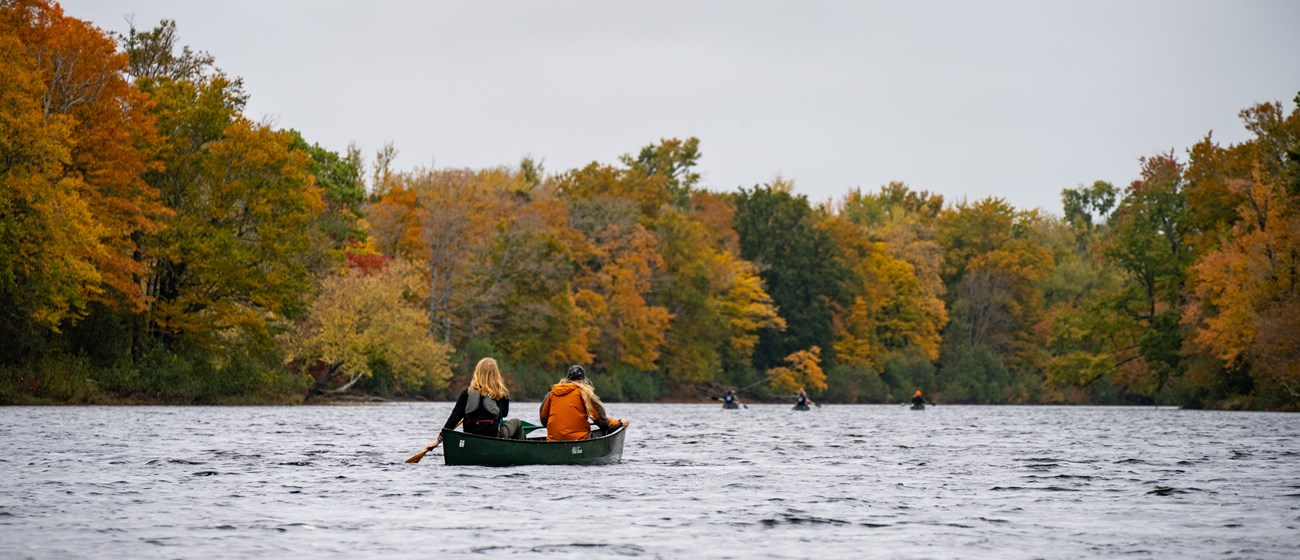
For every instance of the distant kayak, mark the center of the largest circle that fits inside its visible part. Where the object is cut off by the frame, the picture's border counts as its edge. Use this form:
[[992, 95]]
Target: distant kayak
[[730, 406], [918, 406], [801, 407]]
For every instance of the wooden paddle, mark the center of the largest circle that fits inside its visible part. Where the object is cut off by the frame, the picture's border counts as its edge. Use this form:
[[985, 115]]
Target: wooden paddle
[[416, 458]]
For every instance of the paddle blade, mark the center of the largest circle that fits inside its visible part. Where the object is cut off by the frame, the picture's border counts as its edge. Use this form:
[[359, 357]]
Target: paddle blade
[[416, 458]]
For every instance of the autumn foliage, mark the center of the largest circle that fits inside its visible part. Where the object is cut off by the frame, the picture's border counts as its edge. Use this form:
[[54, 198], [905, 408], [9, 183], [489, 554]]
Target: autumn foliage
[[76, 140], [158, 245]]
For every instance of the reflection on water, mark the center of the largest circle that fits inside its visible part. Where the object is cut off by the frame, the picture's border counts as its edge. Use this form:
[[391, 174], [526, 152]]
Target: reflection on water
[[696, 481]]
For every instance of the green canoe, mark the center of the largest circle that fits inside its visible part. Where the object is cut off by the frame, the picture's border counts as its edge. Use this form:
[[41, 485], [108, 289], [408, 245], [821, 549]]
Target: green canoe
[[460, 448]]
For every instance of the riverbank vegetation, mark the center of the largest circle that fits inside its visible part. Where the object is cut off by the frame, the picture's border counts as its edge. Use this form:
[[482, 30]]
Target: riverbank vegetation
[[157, 245]]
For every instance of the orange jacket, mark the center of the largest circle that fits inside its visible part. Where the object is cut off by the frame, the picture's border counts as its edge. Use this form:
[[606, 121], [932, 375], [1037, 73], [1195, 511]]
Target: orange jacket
[[564, 415]]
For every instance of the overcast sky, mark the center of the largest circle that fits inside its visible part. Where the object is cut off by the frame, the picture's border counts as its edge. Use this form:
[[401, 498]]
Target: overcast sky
[[1017, 99]]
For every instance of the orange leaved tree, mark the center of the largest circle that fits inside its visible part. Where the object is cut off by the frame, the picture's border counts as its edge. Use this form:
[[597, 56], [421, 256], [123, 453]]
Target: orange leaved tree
[[76, 138]]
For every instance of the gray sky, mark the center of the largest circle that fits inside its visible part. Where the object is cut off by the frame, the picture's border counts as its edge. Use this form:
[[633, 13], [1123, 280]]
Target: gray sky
[[1017, 99]]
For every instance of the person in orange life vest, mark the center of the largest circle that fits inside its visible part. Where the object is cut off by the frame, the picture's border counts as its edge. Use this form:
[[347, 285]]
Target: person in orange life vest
[[483, 406], [918, 400], [571, 402]]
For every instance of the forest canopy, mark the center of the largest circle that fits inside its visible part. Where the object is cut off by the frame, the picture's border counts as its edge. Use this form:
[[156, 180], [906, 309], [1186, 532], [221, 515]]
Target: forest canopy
[[158, 245]]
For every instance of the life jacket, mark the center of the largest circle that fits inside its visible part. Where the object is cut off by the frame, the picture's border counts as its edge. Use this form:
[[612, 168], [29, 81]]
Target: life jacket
[[482, 414], [729, 397], [475, 400]]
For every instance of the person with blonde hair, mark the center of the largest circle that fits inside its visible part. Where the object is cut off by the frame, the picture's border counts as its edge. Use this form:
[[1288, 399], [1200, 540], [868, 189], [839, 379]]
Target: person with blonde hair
[[570, 405], [483, 406]]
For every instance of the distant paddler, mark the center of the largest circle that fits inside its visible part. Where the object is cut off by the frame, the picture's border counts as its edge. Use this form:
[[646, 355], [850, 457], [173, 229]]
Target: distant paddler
[[730, 401], [919, 402], [801, 401]]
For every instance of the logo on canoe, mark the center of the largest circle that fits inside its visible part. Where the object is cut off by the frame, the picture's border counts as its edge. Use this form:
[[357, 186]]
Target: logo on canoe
[[576, 451], [462, 443]]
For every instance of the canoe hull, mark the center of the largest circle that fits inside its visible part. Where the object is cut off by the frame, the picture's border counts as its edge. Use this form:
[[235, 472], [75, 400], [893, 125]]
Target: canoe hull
[[918, 407], [730, 406], [801, 407], [460, 448]]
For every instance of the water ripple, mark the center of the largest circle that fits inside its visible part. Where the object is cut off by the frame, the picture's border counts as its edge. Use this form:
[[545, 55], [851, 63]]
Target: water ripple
[[696, 481]]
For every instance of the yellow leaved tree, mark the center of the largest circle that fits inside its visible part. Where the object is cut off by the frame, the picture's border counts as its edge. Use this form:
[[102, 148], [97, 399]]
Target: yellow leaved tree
[[362, 319], [804, 372], [74, 140]]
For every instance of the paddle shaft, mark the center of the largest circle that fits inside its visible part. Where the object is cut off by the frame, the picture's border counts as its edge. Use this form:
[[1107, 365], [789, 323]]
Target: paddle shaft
[[416, 458]]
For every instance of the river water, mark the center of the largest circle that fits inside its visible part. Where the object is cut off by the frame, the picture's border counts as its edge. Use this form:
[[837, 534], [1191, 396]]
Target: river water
[[695, 482]]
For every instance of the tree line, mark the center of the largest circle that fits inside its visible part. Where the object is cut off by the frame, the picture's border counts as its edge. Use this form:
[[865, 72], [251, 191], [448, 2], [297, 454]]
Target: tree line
[[157, 245]]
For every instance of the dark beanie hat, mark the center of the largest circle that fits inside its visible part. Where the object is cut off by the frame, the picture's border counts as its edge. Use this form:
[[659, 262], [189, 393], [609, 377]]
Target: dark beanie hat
[[575, 373]]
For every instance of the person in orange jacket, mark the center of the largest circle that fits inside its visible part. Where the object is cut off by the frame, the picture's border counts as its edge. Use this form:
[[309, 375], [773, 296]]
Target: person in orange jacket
[[919, 402], [569, 405]]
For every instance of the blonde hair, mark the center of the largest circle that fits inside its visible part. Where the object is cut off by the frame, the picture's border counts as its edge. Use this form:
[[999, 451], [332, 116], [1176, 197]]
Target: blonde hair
[[487, 380], [595, 409]]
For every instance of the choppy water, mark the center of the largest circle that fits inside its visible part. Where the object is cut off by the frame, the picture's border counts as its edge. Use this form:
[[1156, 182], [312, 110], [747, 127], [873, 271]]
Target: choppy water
[[696, 481]]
